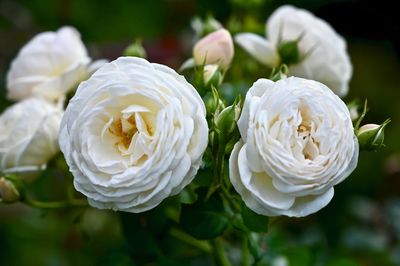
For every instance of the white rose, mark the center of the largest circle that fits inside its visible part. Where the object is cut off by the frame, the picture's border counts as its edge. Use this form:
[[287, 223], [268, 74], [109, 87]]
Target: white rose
[[48, 65], [323, 53], [133, 134], [28, 135], [297, 143]]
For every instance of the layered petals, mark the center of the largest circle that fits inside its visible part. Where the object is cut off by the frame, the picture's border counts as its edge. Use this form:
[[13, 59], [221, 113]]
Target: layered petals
[[297, 143], [133, 134]]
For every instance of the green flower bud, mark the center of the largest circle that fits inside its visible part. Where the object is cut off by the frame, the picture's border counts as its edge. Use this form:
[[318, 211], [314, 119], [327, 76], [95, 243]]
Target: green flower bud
[[213, 103], [371, 136], [289, 52], [225, 121], [135, 49], [212, 76], [8, 191], [282, 73]]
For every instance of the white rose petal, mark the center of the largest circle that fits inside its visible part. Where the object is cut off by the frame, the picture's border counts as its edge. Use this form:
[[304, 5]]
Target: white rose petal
[[28, 135], [297, 143], [48, 65], [260, 48], [323, 52], [133, 134]]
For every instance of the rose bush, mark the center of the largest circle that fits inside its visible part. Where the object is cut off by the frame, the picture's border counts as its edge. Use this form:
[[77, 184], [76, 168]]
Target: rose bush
[[49, 65], [28, 135], [297, 142], [133, 134], [322, 52]]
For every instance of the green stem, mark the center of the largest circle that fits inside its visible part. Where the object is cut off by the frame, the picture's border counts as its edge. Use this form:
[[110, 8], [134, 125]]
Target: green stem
[[219, 163], [219, 253], [218, 169], [200, 244], [246, 258], [235, 206]]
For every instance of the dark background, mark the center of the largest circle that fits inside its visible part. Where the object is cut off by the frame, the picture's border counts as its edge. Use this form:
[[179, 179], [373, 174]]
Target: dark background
[[361, 226]]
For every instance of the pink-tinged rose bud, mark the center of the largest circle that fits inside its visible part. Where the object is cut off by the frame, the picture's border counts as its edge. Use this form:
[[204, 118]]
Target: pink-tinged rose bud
[[214, 48], [371, 136], [8, 191], [368, 127]]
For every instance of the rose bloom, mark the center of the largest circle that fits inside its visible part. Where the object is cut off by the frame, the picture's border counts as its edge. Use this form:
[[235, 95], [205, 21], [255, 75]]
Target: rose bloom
[[215, 48], [297, 142], [133, 134], [49, 65], [28, 135], [323, 53]]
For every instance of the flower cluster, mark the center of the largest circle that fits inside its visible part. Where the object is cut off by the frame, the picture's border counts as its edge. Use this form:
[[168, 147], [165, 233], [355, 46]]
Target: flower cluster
[[41, 75], [135, 132]]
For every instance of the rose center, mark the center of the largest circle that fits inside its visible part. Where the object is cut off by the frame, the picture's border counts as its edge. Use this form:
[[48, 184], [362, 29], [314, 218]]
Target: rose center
[[305, 130], [124, 129]]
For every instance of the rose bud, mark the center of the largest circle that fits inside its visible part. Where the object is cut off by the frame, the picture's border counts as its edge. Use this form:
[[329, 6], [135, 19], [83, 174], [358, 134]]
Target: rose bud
[[8, 192], [371, 136], [214, 48]]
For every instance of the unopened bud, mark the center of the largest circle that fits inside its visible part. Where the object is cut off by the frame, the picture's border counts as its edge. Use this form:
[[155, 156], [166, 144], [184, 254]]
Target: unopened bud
[[215, 48], [8, 191], [135, 49], [282, 73], [371, 136], [289, 52], [225, 122], [213, 102], [212, 75]]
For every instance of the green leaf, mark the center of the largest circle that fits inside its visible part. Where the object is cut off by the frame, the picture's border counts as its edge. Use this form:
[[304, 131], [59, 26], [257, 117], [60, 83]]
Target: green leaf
[[115, 259], [343, 262], [204, 178], [140, 240], [254, 246], [187, 195], [204, 220], [255, 222], [299, 255]]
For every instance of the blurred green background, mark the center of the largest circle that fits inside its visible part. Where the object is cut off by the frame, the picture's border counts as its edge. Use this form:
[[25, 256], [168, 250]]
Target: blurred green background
[[361, 226]]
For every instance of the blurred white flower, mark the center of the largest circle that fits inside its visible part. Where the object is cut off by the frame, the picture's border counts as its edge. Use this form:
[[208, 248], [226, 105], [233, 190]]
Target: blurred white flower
[[133, 134], [28, 135], [322, 53], [202, 27], [297, 143], [214, 48], [49, 65]]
